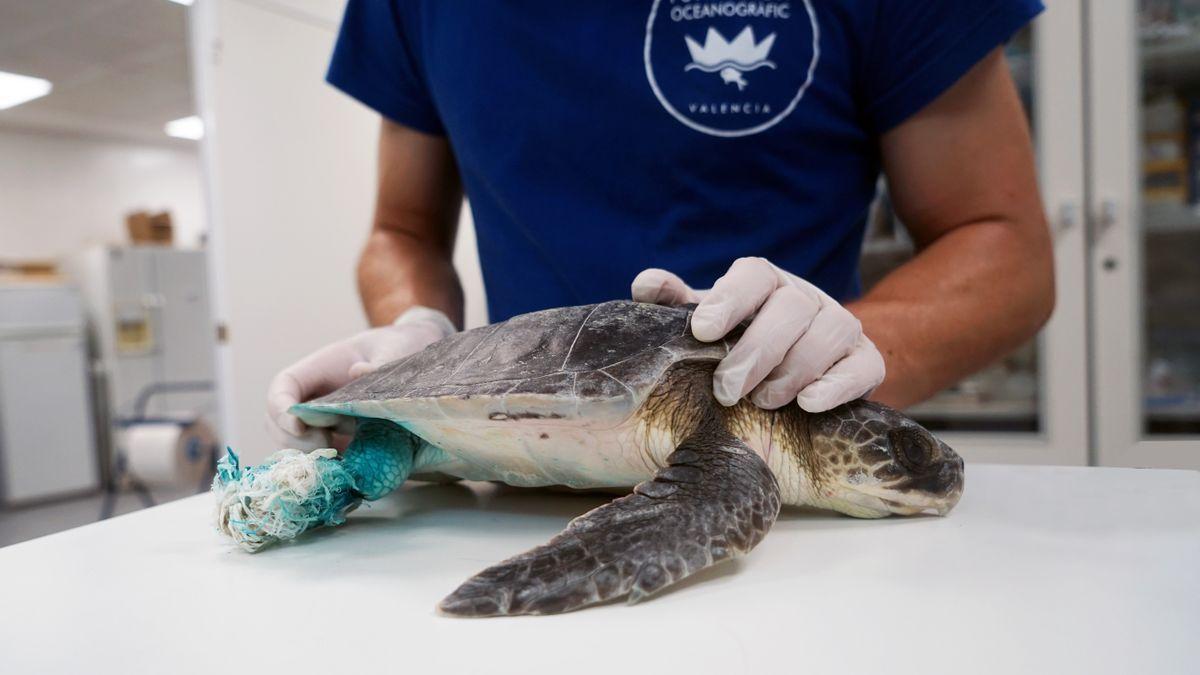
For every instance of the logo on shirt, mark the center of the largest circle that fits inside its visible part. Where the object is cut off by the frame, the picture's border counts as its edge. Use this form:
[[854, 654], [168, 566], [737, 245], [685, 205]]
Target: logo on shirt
[[731, 87], [730, 59]]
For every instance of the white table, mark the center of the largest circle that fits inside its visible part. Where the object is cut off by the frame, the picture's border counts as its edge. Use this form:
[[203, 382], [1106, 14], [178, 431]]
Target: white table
[[1038, 570]]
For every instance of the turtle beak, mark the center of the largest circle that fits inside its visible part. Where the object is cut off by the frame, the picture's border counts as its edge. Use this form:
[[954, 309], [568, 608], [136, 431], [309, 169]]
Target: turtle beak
[[940, 489], [951, 473]]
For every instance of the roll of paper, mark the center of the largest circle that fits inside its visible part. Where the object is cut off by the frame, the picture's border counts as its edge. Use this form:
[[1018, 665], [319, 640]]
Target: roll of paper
[[169, 454]]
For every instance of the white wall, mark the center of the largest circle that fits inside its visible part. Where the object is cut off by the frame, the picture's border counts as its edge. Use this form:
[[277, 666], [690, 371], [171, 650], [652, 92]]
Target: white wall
[[59, 194], [291, 166]]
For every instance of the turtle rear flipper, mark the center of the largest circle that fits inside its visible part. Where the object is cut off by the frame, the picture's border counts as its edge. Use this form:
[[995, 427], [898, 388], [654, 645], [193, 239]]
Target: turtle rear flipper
[[715, 499]]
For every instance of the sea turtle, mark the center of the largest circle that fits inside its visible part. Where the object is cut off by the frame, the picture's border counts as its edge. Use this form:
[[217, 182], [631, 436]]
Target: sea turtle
[[612, 395]]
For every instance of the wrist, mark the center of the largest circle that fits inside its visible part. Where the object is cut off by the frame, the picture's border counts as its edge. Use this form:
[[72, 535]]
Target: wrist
[[883, 322], [427, 315]]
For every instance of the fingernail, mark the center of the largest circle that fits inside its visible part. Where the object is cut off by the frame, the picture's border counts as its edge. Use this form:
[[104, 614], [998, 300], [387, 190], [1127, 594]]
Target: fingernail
[[724, 398], [811, 404], [818, 399], [760, 399], [281, 401], [726, 394], [290, 424], [729, 381], [646, 289], [359, 369], [708, 322], [766, 397]]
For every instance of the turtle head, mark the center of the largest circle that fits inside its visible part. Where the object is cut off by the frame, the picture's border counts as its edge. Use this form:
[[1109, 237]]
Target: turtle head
[[874, 462]]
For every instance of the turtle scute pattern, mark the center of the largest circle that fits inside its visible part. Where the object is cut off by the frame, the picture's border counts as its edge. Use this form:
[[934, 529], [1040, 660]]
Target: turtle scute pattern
[[590, 351]]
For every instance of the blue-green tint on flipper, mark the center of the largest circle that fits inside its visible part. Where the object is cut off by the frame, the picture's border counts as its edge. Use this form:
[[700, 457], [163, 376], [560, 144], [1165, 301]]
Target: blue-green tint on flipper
[[295, 491], [289, 493], [380, 457]]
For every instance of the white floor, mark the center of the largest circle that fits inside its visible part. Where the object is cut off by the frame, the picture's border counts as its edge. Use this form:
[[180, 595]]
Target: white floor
[[29, 522]]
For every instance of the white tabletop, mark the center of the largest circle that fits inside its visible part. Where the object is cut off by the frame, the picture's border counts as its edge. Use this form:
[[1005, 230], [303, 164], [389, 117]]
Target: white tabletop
[[1038, 570]]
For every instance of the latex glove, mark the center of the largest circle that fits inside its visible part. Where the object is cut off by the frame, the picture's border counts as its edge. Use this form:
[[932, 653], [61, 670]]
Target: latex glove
[[337, 364], [801, 344]]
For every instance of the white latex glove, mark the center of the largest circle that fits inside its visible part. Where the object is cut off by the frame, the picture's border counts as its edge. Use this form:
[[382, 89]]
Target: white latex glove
[[801, 344], [337, 364]]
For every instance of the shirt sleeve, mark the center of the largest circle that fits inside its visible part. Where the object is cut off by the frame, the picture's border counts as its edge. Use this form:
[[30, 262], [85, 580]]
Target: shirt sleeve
[[374, 61], [920, 48]]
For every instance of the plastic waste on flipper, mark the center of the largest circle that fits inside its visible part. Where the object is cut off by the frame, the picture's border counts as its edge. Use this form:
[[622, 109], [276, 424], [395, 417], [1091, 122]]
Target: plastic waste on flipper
[[294, 491]]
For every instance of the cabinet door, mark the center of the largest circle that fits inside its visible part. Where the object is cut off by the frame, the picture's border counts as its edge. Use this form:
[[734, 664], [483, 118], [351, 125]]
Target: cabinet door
[[137, 342], [1144, 262], [1032, 406], [185, 322], [47, 441]]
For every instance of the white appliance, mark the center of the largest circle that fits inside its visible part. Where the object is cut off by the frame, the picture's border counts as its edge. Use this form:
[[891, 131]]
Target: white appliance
[[47, 429], [152, 318]]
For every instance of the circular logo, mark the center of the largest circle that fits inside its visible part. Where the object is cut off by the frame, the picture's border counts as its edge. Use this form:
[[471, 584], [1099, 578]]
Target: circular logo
[[731, 67]]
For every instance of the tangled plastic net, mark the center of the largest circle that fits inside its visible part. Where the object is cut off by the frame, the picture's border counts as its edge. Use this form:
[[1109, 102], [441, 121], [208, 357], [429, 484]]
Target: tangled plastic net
[[292, 491]]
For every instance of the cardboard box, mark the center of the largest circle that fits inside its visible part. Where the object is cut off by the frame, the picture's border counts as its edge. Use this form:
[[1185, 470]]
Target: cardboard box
[[150, 228], [28, 270]]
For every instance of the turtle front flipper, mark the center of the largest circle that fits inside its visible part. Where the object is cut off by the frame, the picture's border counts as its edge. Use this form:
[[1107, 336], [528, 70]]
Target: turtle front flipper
[[295, 491], [716, 499]]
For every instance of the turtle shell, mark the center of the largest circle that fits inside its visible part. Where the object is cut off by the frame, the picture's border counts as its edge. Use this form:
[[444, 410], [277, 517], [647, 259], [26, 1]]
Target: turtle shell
[[589, 361]]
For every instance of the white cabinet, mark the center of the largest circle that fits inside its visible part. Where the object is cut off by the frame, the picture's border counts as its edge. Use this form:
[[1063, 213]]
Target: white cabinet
[[1143, 98], [47, 433], [150, 310]]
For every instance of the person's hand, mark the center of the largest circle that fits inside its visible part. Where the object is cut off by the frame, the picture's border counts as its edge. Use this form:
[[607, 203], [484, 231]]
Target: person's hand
[[801, 345], [334, 365]]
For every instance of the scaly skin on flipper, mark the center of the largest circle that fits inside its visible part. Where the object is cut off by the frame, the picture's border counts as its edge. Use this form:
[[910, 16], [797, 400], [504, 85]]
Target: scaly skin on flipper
[[716, 499], [380, 457]]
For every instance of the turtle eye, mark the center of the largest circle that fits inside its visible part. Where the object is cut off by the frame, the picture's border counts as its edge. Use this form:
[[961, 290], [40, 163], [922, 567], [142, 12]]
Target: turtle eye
[[911, 449]]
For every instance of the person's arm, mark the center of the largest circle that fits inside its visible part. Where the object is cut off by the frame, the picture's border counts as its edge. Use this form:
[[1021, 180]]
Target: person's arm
[[962, 178], [961, 175], [405, 276], [407, 260]]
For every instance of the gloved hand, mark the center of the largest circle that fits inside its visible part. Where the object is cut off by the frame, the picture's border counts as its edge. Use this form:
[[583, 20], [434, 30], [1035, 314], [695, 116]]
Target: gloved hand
[[801, 345], [334, 365]]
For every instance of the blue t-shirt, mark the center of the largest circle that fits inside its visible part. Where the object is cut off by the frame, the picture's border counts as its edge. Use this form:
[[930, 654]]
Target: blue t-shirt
[[597, 139]]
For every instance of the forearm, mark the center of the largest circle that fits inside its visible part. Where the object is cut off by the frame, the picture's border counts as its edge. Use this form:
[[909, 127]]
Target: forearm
[[398, 270], [970, 297], [408, 258]]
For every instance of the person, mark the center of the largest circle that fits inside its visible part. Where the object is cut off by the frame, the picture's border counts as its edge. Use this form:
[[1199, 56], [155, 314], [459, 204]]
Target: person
[[673, 145]]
